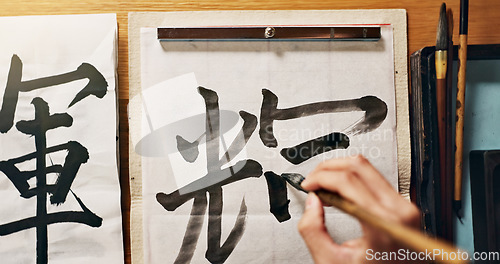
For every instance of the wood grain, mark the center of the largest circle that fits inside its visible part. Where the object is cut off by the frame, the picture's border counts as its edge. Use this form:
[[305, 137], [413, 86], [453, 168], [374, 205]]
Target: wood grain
[[422, 24], [459, 128]]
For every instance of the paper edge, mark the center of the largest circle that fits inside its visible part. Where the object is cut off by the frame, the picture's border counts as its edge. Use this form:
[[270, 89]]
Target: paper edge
[[136, 20]]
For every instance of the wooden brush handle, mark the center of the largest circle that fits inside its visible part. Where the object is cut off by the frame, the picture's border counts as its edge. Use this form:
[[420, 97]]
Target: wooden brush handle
[[408, 237], [441, 116], [459, 126]]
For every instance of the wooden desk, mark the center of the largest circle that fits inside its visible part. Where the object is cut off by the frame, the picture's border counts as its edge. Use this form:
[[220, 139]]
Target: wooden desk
[[484, 21]]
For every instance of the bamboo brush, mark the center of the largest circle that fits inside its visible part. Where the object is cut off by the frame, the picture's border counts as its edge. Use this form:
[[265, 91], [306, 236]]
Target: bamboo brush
[[406, 236], [459, 126]]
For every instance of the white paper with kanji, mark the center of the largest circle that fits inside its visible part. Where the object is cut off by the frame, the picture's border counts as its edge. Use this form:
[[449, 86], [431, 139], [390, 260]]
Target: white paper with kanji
[[201, 205], [59, 184]]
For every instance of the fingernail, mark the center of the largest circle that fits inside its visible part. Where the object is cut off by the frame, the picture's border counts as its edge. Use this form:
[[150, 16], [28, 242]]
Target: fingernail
[[304, 183]]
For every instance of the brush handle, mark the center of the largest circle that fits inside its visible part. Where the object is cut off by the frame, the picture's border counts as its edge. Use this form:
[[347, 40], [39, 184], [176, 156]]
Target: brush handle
[[464, 17], [459, 126], [441, 59], [411, 238], [445, 176]]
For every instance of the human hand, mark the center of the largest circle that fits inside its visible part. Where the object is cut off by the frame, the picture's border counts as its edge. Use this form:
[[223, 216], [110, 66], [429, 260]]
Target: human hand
[[356, 180]]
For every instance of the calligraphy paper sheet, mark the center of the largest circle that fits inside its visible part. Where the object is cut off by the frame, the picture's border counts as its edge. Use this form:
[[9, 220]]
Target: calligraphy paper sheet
[[220, 121], [59, 188]]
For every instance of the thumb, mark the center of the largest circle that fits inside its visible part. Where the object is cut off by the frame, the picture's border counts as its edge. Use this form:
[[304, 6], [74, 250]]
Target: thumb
[[313, 230]]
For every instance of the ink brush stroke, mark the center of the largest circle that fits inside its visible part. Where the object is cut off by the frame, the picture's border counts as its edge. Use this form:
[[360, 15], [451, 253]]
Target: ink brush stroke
[[411, 238]]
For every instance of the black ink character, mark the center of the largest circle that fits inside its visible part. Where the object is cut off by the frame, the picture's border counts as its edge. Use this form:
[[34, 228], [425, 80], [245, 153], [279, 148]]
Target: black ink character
[[97, 86], [212, 184], [375, 113], [38, 128]]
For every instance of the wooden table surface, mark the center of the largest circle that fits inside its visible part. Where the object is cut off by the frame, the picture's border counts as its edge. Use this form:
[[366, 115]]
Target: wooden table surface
[[484, 18]]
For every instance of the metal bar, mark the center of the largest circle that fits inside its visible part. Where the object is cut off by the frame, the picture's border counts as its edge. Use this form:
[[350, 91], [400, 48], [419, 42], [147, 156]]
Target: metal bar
[[270, 33]]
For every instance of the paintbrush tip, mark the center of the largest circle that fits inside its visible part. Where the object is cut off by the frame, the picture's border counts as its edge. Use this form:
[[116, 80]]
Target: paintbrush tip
[[294, 179], [442, 30]]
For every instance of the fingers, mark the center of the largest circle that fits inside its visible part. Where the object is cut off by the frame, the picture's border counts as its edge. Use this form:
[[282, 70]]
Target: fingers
[[313, 231], [357, 167], [345, 184], [364, 170], [355, 179]]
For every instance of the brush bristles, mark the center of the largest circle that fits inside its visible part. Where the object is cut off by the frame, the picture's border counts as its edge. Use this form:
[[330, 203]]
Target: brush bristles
[[442, 30], [294, 179]]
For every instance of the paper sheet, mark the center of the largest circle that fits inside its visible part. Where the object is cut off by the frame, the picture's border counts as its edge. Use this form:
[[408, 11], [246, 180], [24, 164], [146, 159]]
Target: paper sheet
[[181, 81], [59, 185]]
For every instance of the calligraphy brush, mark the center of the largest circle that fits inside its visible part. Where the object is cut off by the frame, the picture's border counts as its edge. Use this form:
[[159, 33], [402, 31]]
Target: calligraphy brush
[[449, 131], [459, 125], [447, 189], [411, 238], [441, 60], [442, 56]]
